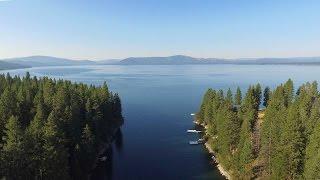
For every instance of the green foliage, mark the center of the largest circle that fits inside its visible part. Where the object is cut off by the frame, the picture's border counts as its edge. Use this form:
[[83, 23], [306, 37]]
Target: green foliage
[[266, 96], [238, 97], [257, 95], [8, 107], [275, 116], [312, 165], [229, 96], [280, 142], [88, 139], [12, 155], [288, 92], [47, 126], [55, 163], [292, 143], [250, 106], [245, 152]]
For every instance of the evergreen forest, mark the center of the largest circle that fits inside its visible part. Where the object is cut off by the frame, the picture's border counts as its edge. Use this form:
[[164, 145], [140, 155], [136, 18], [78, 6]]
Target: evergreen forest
[[54, 129], [265, 134]]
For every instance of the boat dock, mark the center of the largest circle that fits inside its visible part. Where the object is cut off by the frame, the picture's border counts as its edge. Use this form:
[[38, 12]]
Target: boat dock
[[199, 141], [193, 131]]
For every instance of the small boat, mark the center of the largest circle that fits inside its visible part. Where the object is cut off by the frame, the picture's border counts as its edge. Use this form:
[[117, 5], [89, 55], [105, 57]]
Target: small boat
[[193, 131], [104, 158], [192, 114], [193, 142], [201, 141], [213, 158]]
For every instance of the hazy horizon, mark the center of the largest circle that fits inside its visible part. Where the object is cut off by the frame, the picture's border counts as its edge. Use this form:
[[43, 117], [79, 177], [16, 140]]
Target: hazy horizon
[[111, 59], [119, 29]]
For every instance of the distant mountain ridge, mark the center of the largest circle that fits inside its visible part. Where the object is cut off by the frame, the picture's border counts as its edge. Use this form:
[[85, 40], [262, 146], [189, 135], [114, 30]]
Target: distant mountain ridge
[[180, 60], [157, 60], [40, 61]]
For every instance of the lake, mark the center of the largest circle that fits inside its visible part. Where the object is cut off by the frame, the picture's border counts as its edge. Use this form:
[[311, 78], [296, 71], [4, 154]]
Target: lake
[[157, 102]]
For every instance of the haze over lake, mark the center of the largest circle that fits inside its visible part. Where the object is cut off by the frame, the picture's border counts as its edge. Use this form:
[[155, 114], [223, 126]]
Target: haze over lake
[[157, 102]]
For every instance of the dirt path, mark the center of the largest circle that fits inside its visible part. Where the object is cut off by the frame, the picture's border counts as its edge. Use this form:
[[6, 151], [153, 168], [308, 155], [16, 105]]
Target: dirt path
[[256, 132]]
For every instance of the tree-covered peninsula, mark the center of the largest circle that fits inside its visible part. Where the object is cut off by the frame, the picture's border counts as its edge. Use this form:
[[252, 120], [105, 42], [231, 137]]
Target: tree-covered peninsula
[[278, 138], [53, 129]]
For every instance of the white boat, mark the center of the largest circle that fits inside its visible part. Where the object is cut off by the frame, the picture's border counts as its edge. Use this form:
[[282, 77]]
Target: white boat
[[213, 158], [192, 114], [193, 131], [193, 142]]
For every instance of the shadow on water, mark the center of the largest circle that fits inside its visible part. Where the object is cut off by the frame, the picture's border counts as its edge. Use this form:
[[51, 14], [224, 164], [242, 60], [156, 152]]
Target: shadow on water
[[104, 169], [118, 140]]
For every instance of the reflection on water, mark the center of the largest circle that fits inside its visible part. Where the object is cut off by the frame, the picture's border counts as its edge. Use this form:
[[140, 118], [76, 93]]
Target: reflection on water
[[119, 141], [104, 169]]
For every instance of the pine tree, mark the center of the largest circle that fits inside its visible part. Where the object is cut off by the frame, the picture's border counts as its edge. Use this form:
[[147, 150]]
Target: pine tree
[[229, 97], [8, 108], [208, 107], [266, 96], [200, 113], [312, 159], [292, 144], [39, 120], [314, 117], [55, 154], [289, 146], [257, 94], [88, 139], [35, 142], [37, 145], [228, 128], [48, 92], [238, 96], [13, 150], [245, 148], [288, 89], [275, 116], [249, 108], [306, 100]]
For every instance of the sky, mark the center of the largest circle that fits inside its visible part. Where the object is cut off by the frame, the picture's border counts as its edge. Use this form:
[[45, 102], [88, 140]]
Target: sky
[[108, 29]]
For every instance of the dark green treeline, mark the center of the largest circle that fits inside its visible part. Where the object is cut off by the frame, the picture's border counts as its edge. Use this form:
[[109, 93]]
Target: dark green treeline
[[279, 141], [53, 129]]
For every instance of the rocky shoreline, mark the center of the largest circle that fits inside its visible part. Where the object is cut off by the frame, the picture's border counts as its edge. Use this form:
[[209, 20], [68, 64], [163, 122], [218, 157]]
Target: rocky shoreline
[[219, 166], [210, 150]]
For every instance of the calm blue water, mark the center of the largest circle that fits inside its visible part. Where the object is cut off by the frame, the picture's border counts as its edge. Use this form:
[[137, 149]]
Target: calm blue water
[[157, 102]]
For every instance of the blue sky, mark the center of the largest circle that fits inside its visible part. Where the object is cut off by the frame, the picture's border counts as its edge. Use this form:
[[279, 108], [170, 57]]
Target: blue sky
[[106, 29]]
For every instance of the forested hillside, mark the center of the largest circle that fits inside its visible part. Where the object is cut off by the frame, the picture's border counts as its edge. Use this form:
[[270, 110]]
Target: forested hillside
[[53, 129], [279, 141], [8, 65]]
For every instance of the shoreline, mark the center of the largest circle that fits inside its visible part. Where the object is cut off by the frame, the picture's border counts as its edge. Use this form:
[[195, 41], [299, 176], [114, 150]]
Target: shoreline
[[104, 146], [222, 171]]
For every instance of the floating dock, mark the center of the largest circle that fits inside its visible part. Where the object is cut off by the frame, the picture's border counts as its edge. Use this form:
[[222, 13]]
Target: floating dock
[[199, 141], [193, 142], [193, 131]]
